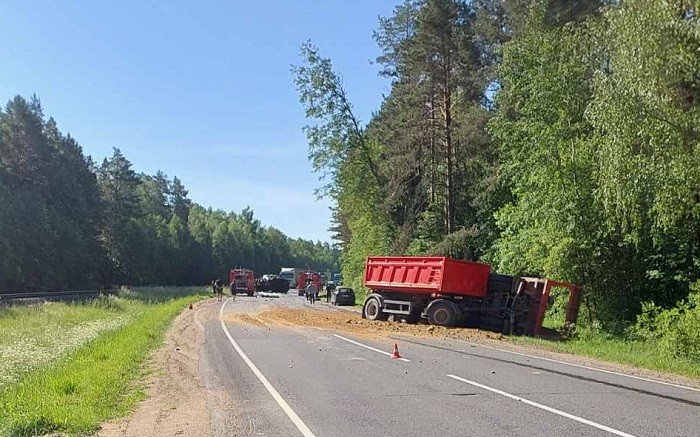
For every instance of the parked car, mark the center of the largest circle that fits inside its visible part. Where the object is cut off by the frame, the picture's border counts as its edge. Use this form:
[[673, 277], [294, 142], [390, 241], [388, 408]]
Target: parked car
[[343, 296]]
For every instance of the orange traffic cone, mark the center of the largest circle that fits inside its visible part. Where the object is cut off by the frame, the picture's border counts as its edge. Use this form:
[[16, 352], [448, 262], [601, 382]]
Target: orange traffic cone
[[190, 305], [395, 355]]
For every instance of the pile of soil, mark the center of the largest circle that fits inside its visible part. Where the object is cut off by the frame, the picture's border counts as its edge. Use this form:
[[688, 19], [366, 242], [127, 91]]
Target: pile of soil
[[353, 323]]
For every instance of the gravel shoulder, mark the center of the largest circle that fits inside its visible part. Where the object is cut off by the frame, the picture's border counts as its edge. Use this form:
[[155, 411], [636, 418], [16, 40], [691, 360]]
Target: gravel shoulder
[[175, 396]]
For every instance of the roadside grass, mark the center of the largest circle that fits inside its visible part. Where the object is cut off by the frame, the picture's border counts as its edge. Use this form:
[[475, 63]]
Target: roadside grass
[[97, 373], [644, 354], [32, 337], [588, 340]]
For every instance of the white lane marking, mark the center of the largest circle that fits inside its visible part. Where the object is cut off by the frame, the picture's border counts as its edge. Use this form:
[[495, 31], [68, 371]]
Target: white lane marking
[[641, 378], [544, 407], [301, 426], [368, 347]]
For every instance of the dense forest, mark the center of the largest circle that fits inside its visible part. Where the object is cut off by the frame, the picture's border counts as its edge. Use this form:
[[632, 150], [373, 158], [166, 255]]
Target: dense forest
[[549, 137], [68, 223]]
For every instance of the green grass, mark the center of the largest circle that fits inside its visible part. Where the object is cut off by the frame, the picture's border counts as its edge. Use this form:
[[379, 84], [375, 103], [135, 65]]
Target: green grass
[[643, 354], [590, 341], [32, 337], [94, 378]]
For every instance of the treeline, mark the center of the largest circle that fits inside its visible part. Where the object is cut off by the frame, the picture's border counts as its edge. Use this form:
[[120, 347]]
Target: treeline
[[547, 137], [67, 223]]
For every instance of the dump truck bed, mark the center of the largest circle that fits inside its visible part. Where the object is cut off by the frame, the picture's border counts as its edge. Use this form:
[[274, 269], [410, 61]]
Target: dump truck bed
[[426, 275]]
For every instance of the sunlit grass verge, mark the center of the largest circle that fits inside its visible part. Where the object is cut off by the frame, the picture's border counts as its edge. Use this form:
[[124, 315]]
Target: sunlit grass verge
[[626, 347], [644, 354], [35, 336], [96, 381]]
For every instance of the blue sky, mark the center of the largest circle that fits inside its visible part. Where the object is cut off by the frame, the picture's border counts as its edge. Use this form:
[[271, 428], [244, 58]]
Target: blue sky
[[201, 90]]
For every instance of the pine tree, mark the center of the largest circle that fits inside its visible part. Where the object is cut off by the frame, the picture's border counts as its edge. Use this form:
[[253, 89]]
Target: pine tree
[[118, 186]]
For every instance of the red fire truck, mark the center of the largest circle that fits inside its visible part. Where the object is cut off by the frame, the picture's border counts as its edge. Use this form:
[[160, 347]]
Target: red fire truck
[[242, 281], [313, 276]]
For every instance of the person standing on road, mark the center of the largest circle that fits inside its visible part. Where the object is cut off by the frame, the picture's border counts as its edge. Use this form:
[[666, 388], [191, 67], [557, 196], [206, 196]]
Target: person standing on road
[[219, 288], [311, 292], [330, 286]]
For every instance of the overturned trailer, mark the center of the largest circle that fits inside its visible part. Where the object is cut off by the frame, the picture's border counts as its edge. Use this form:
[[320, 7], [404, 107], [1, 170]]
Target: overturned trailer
[[449, 292]]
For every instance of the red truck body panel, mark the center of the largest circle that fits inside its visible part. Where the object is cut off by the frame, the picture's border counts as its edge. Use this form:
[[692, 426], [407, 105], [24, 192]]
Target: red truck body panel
[[426, 275], [243, 280]]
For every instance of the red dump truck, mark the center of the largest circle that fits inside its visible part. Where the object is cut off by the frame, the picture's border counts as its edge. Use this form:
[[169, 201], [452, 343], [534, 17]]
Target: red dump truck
[[449, 292], [242, 281]]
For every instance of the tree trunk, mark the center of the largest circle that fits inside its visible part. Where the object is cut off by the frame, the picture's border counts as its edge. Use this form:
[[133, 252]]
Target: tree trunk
[[449, 152], [432, 149]]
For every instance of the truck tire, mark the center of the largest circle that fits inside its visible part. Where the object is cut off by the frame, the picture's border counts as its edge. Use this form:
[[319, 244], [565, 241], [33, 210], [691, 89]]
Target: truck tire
[[372, 309], [442, 313]]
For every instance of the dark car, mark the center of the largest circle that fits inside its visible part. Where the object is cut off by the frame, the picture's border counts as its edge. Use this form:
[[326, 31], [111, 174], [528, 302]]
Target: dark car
[[343, 296], [272, 283]]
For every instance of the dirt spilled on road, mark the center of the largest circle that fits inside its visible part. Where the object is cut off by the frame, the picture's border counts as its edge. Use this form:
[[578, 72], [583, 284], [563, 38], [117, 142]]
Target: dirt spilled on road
[[352, 323]]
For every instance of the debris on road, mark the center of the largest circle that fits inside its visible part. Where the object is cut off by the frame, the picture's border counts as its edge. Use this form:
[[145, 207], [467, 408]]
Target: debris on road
[[340, 321]]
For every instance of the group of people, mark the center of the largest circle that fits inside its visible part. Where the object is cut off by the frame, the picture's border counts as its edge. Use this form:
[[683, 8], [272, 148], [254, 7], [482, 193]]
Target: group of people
[[311, 292]]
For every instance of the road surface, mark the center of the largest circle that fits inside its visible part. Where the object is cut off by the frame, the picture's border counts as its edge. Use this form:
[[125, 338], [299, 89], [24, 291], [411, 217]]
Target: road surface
[[291, 381]]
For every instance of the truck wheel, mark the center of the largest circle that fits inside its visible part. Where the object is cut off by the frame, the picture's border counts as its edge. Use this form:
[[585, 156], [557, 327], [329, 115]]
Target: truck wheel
[[372, 310], [442, 314]]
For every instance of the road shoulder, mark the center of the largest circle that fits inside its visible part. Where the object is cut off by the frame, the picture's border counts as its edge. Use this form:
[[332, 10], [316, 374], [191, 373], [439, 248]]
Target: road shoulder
[[175, 396]]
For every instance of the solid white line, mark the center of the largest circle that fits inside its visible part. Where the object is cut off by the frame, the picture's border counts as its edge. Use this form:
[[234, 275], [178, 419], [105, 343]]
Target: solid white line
[[368, 347], [301, 426], [641, 378], [544, 407]]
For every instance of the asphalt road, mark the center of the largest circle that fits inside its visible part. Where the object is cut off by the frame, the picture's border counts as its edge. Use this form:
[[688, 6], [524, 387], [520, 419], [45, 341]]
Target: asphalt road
[[284, 381]]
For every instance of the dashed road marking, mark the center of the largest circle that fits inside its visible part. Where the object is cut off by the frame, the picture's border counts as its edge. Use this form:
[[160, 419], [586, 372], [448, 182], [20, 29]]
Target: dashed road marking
[[368, 347], [301, 426], [544, 407], [596, 369]]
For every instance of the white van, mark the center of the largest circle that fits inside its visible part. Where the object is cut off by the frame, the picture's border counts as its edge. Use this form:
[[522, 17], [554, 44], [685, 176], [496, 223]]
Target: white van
[[291, 274]]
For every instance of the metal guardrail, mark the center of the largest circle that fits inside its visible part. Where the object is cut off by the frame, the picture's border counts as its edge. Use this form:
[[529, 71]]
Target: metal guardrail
[[54, 295]]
